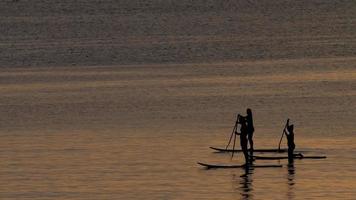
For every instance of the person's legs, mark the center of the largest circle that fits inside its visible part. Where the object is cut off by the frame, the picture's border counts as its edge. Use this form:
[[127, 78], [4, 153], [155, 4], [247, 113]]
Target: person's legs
[[250, 140], [245, 150], [290, 155], [246, 157]]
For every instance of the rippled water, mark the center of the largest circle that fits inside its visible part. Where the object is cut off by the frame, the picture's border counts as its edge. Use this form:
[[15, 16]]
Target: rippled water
[[137, 132], [96, 32], [121, 99]]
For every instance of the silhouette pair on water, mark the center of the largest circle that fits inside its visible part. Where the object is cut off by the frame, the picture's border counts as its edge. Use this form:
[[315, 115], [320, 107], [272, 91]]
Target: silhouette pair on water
[[246, 136]]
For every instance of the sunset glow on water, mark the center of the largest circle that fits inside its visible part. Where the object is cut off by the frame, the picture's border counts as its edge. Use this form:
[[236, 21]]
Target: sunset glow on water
[[121, 99]]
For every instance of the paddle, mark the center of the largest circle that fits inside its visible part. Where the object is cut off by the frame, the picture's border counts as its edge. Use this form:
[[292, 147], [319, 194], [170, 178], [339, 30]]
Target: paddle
[[279, 145], [233, 148], [233, 131]]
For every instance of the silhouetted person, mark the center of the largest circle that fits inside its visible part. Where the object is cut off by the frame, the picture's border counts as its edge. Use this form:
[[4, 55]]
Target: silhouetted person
[[290, 141], [250, 129], [243, 137]]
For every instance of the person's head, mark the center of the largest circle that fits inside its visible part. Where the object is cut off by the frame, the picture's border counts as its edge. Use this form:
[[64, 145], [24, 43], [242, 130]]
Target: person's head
[[249, 111]]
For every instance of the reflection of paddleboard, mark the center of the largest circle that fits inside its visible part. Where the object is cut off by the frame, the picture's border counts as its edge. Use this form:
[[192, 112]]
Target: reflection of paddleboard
[[286, 157], [209, 166], [255, 150]]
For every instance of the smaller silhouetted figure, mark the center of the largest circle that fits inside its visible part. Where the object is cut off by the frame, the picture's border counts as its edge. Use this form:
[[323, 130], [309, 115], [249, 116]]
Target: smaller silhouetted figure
[[290, 141], [243, 137]]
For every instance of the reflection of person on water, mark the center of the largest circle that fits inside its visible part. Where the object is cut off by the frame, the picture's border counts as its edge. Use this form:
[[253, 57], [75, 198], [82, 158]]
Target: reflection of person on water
[[243, 136], [246, 183]]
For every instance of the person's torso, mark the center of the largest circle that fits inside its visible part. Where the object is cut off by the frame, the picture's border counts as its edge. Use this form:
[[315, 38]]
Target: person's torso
[[249, 123], [290, 139], [243, 131]]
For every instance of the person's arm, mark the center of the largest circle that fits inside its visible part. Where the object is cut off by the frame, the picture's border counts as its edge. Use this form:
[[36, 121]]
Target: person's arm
[[287, 125], [285, 132]]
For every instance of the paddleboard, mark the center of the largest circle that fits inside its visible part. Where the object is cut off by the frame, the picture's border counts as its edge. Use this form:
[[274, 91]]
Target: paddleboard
[[255, 150], [210, 166], [286, 157]]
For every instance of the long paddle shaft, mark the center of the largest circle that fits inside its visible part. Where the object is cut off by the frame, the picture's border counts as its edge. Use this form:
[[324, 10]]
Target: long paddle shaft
[[233, 131], [232, 134], [233, 148], [285, 126]]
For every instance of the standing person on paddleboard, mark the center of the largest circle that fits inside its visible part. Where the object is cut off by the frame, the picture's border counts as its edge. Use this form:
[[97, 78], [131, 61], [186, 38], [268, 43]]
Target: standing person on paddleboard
[[243, 137], [290, 141], [250, 129]]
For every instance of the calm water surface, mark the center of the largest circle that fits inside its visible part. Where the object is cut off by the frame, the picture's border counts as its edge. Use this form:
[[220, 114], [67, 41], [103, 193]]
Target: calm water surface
[[136, 132], [120, 99]]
